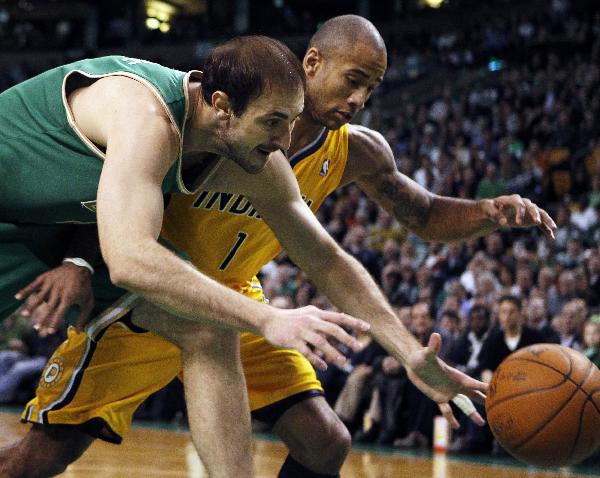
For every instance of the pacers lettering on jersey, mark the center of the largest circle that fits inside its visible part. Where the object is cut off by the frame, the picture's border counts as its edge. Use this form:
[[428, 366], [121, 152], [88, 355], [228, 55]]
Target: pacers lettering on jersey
[[236, 204]]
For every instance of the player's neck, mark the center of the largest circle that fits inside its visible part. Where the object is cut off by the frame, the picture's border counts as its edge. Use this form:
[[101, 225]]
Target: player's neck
[[306, 129], [201, 127]]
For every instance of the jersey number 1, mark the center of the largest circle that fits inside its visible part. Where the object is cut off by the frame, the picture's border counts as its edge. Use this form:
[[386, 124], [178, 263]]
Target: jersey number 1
[[240, 240]]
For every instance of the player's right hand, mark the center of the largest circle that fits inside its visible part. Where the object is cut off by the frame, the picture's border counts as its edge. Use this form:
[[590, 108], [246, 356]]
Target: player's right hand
[[314, 333], [48, 298]]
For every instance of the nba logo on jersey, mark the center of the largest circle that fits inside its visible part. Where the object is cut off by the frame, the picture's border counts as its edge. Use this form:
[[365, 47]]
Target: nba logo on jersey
[[324, 168]]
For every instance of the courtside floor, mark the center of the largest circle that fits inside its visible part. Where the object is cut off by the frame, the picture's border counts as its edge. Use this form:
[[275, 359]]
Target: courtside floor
[[154, 451]]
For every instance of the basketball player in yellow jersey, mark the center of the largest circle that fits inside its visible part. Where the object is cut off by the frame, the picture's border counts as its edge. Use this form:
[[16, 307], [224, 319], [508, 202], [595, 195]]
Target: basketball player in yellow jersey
[[344, 63]]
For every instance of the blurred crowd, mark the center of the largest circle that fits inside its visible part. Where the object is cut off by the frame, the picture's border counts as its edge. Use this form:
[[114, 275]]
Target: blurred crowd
[[528, 126]]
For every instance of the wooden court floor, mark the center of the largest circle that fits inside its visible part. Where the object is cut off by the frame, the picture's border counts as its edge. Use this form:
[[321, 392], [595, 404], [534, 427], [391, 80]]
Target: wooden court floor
[[148, 453]]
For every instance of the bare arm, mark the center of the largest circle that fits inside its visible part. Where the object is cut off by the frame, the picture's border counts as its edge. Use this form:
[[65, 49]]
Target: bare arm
[[432, 217]]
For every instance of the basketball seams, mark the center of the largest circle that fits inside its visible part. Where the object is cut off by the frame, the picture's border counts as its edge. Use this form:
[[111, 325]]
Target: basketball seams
[[566, 377], [545, 423], [528, 392], [587, 400]]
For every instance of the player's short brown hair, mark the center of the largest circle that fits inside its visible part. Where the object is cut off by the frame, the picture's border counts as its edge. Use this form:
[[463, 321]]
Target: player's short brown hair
[[244, 67]]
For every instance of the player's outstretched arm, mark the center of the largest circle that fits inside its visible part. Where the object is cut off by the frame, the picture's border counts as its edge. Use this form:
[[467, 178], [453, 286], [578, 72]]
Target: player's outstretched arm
[[434, 218]]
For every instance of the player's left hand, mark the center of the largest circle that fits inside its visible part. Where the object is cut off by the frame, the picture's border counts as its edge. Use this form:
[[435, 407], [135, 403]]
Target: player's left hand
[[50, 295], [443, 383], [517, 211]]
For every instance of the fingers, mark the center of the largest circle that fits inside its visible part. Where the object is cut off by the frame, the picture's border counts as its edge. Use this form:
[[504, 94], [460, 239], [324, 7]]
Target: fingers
[[322, 347], [29, 289], [34, 297], [339, 334], [449, 415], [466, 406], [435, 343], [343, 320], [312, 357], [548, 226]]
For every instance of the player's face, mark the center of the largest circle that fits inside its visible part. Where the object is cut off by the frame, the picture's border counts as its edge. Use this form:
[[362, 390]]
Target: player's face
[[509, 316], [264, 127], [342, 83]]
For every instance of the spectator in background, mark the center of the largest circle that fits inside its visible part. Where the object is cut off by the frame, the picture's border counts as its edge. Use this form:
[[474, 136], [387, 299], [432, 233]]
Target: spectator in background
[[510, 335], [591, 341], [465, 353], [465, 357], [563, 292], [416, 413], [570, 323], [537, 318], [491, 185], [593, 278], [448, 327]]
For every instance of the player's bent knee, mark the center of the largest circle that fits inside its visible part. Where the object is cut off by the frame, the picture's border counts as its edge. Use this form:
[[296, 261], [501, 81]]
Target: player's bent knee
[[327, 448]]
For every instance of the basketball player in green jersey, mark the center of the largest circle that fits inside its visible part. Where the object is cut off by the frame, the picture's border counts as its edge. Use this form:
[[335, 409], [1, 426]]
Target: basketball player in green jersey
[[108, 137]]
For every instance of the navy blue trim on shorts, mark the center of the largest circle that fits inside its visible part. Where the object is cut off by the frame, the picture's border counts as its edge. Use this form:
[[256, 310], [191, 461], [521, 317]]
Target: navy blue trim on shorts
[[78, 378], [95, 427], [271, 413]]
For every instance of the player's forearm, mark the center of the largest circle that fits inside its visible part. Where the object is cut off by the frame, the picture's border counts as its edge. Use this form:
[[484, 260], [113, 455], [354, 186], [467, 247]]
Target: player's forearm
[[350, 287], [159, 276], [451, 219]]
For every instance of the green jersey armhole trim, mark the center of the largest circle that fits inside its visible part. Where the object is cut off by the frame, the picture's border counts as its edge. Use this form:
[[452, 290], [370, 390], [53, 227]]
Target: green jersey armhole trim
[[186, 93], [154, 91]]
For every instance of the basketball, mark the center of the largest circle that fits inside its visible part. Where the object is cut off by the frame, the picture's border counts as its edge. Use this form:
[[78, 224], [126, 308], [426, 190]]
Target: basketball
[[543, 405]]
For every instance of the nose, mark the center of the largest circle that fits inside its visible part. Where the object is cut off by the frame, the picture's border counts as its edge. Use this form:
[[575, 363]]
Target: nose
[[284, 137], [358, 98]]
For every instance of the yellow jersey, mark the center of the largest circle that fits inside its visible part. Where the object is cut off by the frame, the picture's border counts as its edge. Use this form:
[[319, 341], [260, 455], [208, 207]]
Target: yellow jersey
[[224, 235]]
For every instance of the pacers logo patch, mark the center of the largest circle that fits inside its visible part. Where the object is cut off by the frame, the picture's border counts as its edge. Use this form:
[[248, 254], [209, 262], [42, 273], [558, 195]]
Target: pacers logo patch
[[52, 372], [324, 168]]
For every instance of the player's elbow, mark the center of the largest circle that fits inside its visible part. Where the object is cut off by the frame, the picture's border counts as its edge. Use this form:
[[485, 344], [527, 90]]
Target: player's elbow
[[121, 269]]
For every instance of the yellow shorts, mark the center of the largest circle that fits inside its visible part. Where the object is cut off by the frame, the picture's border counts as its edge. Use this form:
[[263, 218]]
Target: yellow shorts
[[99, 384]]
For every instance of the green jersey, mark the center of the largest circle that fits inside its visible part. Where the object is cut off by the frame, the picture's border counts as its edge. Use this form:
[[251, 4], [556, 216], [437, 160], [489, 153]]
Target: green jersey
[[49, 169]]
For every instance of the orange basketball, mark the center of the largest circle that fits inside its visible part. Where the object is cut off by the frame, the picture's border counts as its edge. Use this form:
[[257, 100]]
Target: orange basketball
[[543, 405]]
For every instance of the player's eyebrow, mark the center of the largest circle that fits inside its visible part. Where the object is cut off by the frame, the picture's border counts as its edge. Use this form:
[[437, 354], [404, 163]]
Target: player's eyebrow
[[361, 73], [277, 114], [358, 72]]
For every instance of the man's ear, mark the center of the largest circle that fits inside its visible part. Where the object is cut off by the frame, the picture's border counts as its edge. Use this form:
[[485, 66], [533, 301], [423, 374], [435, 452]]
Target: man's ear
[[222, 105], [312, 61]]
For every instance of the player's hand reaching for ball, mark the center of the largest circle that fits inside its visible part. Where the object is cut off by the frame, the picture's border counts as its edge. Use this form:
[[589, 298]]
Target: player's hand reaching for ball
[[443, 383], [516, 211], [315, 333]]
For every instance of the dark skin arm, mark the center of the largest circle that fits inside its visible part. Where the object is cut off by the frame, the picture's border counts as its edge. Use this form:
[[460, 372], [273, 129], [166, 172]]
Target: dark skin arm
[[432, 217]]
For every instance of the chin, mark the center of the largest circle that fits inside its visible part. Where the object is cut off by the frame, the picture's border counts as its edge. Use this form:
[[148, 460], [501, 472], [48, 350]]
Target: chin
[[253, 165]]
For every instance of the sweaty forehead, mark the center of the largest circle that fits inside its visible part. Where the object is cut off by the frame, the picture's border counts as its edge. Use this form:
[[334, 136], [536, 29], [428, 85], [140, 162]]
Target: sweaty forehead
[[281, 101], [363, 59]]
